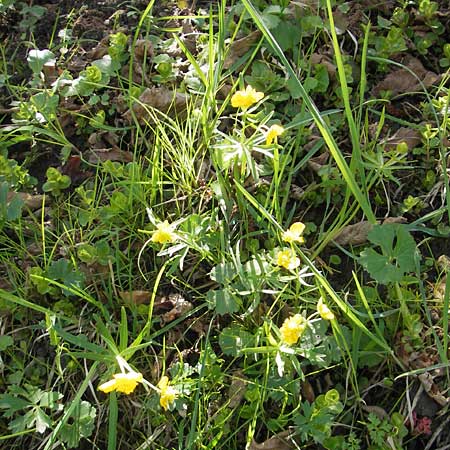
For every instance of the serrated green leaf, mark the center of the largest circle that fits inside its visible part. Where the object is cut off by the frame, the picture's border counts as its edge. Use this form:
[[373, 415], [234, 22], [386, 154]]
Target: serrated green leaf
[[64, 271], [80, 424], [398, 252]]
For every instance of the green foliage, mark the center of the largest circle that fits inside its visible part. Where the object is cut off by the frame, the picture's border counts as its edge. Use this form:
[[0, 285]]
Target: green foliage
[[316, 419], [56, 181], [79, 424], [29, 407], [397, 256]]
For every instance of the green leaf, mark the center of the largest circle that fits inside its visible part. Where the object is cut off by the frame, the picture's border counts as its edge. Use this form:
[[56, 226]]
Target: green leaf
[[234, 339], [223, 273], [5, 342], [37, 58], [223, 301], [80, 424], [398, 252], [64, 271]]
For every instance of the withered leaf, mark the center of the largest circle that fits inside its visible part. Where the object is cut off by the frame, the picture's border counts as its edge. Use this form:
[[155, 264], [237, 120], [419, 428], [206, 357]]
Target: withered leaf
[[402, 81], [180, 307], [33, 202], [240, 47], [135, 297], [281, 441], [143, 49], [237, 390], [160, 99], [354, 234], [411, 137], [106, 154]]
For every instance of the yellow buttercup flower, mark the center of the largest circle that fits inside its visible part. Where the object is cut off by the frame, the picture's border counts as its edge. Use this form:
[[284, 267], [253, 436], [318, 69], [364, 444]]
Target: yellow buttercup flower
[[167, 393], [292, 329], [164, 233], [245, 99], [324, 311], [122, 382], [294, 234], [287, 259], [273, 132]]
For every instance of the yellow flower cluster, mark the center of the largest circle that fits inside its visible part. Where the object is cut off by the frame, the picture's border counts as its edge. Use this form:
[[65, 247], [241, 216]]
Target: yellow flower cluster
[[167, 393], [122, 382], [294, 233], [245, 99], [324, 311], [292, 329], [287, 259], [273, 132], [164, 233]]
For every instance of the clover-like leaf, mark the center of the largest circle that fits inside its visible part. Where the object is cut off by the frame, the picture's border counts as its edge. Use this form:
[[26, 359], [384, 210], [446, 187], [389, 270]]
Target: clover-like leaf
[[80, 424], [398, 251]]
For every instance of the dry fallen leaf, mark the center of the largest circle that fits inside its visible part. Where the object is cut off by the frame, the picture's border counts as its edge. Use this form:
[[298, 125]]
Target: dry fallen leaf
[[106, 154], [402, 81], [33, 202], [237, 390], [143, 50], [281, 441], [354, 234], [180, 306], [160, 99], [240, 48], [135, 297], [411, 137]]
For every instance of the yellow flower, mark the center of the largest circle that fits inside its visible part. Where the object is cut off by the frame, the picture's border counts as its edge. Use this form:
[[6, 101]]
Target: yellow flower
[[294, 234], [167, 393], [122, 382], [287, 259], [245, 99], [273, 133], [324, 311], [164, 233], [292, 329]]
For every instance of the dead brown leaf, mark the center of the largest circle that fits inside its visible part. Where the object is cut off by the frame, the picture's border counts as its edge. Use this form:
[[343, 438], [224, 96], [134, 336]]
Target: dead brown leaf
[[240, 47], [135, 297], [412, 138], [326, 61], [237, 390], [281, 441], [33, 202], [160, 99], [402, 81], [106, 154], [143, 49], [354, 234], [180, 306]]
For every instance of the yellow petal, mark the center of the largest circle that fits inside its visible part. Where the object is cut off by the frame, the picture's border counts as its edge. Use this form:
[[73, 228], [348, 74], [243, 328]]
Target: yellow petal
[[245, 99], [288, 260], [294, 233], [292, 329], [168, 394], [324, 311], [108, 387], [273, 132], [164, 233]]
